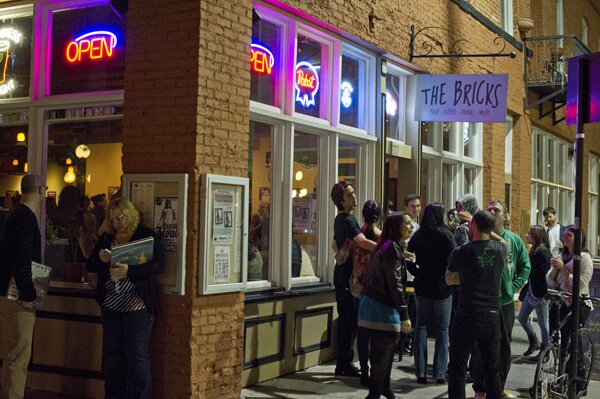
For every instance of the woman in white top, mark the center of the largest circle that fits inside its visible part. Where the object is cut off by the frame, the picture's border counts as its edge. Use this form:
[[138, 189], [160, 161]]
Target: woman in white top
[[560, 277]]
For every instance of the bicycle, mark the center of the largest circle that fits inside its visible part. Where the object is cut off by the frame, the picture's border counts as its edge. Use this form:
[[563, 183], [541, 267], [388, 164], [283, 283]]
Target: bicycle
[[551, 380]]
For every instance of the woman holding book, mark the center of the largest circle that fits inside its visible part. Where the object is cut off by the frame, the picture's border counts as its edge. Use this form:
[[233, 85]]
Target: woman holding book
[[127, 297]]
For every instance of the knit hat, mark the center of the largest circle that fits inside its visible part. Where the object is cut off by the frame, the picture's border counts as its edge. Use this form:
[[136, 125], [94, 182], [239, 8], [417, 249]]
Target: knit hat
[[469, 203], [30, 183]]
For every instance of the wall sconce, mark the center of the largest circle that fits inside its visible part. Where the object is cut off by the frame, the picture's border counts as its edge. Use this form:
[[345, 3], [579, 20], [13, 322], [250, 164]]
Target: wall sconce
[[82, 151], [303, 193], [70, 175], [294, 193], [89, 178], [20, 137], [25, 167]]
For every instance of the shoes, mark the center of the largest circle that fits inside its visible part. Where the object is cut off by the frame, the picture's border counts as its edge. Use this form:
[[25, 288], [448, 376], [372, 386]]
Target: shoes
[[440, 381], [350, 371], [479, 395], [421, 380], [534, 345], [388, 394], [506, 394], [364, 379]]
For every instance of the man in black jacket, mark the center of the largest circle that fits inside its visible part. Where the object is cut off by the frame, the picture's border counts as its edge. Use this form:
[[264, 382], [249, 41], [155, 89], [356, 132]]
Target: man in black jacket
[[20, 244]]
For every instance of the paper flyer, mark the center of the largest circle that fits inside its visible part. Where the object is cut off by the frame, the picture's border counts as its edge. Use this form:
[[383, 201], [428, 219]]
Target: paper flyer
[[223, 216], [222, 264], [166, 222]]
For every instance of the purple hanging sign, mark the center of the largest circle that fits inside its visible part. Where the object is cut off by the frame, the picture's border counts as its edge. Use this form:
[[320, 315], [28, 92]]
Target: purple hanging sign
[[461, 98], [592, 81]]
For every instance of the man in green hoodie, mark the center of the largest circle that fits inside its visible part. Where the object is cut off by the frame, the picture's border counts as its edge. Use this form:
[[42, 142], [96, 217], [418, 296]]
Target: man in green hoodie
[[514, 276]]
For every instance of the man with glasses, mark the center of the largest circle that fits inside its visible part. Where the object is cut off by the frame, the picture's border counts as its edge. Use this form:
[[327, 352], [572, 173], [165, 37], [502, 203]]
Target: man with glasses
[[20, 244]]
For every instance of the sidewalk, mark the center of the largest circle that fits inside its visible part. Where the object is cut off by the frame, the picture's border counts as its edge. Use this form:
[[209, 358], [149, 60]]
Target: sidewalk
[[320, 381]]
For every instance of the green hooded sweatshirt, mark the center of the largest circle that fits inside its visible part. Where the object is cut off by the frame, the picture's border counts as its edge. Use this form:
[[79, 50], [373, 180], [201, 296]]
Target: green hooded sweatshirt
[[516, 272]]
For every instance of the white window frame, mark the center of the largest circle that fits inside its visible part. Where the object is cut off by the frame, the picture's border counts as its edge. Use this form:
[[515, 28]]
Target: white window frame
[[402, 74], [558, 187], [437, 158], [584, 31], [594, 204], [506, 16]]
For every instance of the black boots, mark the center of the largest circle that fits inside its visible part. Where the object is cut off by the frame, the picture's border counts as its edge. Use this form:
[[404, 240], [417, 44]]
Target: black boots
[[534, 345]]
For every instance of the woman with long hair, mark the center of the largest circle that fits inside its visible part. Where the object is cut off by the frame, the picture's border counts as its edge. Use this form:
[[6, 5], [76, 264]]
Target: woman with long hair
[[534, 291], [383, 307], [371, 214], [432, 244]]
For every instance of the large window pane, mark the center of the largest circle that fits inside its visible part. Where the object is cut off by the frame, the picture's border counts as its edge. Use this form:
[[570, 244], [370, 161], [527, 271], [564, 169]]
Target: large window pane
[[259, 173], [88, 50], [304, 201], [468, 139], [84, 158], [308, 76], [264, 67], [540, 156], [427, 133], [347, 161], [447, 137], [15, 56], [352, 92], [394, 94], [13, 165]]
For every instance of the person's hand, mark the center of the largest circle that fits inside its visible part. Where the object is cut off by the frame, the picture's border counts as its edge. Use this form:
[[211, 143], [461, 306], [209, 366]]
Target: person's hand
[[119, 270], [105, 255], [27, 305], [405, 326], [556, 263], [410, 257], [465, 216]]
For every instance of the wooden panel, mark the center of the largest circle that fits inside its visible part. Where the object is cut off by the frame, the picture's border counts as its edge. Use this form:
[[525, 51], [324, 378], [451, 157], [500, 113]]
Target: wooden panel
[[312, 330], [264, 340]]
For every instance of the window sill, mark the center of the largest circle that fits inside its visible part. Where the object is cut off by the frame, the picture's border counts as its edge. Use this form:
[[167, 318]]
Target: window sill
[[278, 293]]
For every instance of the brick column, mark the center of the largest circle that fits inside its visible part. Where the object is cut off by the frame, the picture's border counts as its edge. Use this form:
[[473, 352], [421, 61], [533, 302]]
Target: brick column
[[186, 110]]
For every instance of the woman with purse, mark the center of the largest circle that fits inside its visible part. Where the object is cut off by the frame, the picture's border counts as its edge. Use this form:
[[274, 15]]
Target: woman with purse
[[383, 309], [347, 234]]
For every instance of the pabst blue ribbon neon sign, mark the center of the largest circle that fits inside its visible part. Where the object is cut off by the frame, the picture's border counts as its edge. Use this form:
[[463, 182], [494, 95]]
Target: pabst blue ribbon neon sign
[[93, 45], [9, 37], [306, 83], [261, 59]]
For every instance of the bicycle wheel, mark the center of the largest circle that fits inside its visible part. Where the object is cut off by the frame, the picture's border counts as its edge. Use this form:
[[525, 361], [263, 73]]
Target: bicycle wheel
[[547, 379], [584, 365]]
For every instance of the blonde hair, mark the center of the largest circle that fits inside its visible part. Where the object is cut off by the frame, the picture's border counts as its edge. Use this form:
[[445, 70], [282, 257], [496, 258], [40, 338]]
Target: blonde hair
[[127, 209]]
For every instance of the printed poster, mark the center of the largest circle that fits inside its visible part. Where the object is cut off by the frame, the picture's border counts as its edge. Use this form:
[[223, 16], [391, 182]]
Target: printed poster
[[223, 216], [142, 196], [166, 222], [222, 264]]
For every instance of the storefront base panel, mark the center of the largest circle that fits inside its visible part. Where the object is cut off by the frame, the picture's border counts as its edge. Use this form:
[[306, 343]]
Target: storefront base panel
[[68, 385], [287, 335]]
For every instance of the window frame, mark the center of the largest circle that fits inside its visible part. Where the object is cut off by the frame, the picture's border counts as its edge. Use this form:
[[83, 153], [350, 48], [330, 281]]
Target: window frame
[[506, 16], [593, 203]]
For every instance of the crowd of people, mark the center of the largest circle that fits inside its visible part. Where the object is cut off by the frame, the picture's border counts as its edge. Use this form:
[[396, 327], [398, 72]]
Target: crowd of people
[[467, 267]]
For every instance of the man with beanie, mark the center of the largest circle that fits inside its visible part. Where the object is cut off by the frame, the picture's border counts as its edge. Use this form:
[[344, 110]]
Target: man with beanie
[[466, 205], [20, 244]]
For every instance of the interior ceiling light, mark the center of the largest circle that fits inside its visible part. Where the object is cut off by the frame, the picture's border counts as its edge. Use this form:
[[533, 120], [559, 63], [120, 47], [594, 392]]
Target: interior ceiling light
[[82, 151], [15, 162], [70, 175], [20, 137], [68, 161]]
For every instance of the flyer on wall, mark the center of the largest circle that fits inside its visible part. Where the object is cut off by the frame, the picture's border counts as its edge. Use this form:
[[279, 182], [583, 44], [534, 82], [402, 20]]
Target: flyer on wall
[[142, 196], [222, 264], [223, 216], [166, 222]]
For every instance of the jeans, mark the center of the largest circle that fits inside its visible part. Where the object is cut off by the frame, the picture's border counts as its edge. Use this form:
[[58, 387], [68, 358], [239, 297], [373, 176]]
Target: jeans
[[382, 357], [126, 356], [432, 315], [477, 365], [347, 307], [471, 327], [541, 310]]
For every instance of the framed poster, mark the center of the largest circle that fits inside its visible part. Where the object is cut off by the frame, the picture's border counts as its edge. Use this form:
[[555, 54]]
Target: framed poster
[[161, 200], [224, 222]]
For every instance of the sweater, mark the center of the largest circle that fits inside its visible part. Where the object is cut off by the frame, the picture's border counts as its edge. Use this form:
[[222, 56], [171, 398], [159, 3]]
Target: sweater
[[516, 272]]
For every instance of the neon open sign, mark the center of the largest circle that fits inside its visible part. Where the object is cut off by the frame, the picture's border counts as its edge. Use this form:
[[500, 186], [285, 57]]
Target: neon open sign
[[306, 83], [9, 38], [261, 59], [94, 46]]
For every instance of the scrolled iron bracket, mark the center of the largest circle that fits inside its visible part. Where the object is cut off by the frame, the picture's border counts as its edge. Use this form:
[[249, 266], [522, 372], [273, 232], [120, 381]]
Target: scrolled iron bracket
[[456, 49]]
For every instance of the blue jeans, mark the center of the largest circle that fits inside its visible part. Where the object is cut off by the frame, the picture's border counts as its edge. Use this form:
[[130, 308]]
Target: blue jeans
[[126, 355], [541, 310], [432, 315]]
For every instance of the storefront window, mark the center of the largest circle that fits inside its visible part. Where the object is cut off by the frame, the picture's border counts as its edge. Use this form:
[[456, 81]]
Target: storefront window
[[15, 56], [259, 173], [393, 94], [13, 165], [347, 161], [427, 133], [88, 50], [84, 160], [308, 75], [352, 92], [264, 62], [304, 200], [468, 139]]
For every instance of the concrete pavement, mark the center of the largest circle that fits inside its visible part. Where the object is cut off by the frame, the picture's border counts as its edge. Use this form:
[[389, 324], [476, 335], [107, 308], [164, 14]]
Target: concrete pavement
[[320, 381]]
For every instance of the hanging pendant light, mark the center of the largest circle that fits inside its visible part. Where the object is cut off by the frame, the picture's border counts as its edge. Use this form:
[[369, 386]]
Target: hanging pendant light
[[82, 151], [70, 175], [20, 137]]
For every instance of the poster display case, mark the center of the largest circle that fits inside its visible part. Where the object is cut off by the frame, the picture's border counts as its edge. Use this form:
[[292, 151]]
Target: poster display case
[[161, 200], [224, 224]]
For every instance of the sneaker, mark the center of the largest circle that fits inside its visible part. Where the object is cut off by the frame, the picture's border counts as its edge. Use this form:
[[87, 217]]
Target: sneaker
[[350, 371], [534, 345], [479, 395], [506, 394]]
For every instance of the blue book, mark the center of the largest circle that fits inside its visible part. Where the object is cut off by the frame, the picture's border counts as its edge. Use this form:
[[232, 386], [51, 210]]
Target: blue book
[[134, 252]]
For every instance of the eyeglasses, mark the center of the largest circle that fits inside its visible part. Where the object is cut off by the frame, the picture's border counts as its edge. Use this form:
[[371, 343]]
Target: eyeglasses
[[117, 219]]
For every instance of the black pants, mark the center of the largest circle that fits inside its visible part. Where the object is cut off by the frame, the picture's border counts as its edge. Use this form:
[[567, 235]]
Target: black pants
[[362, 345], [347, 307], [469, 327], [477, 367], [381, 356]]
